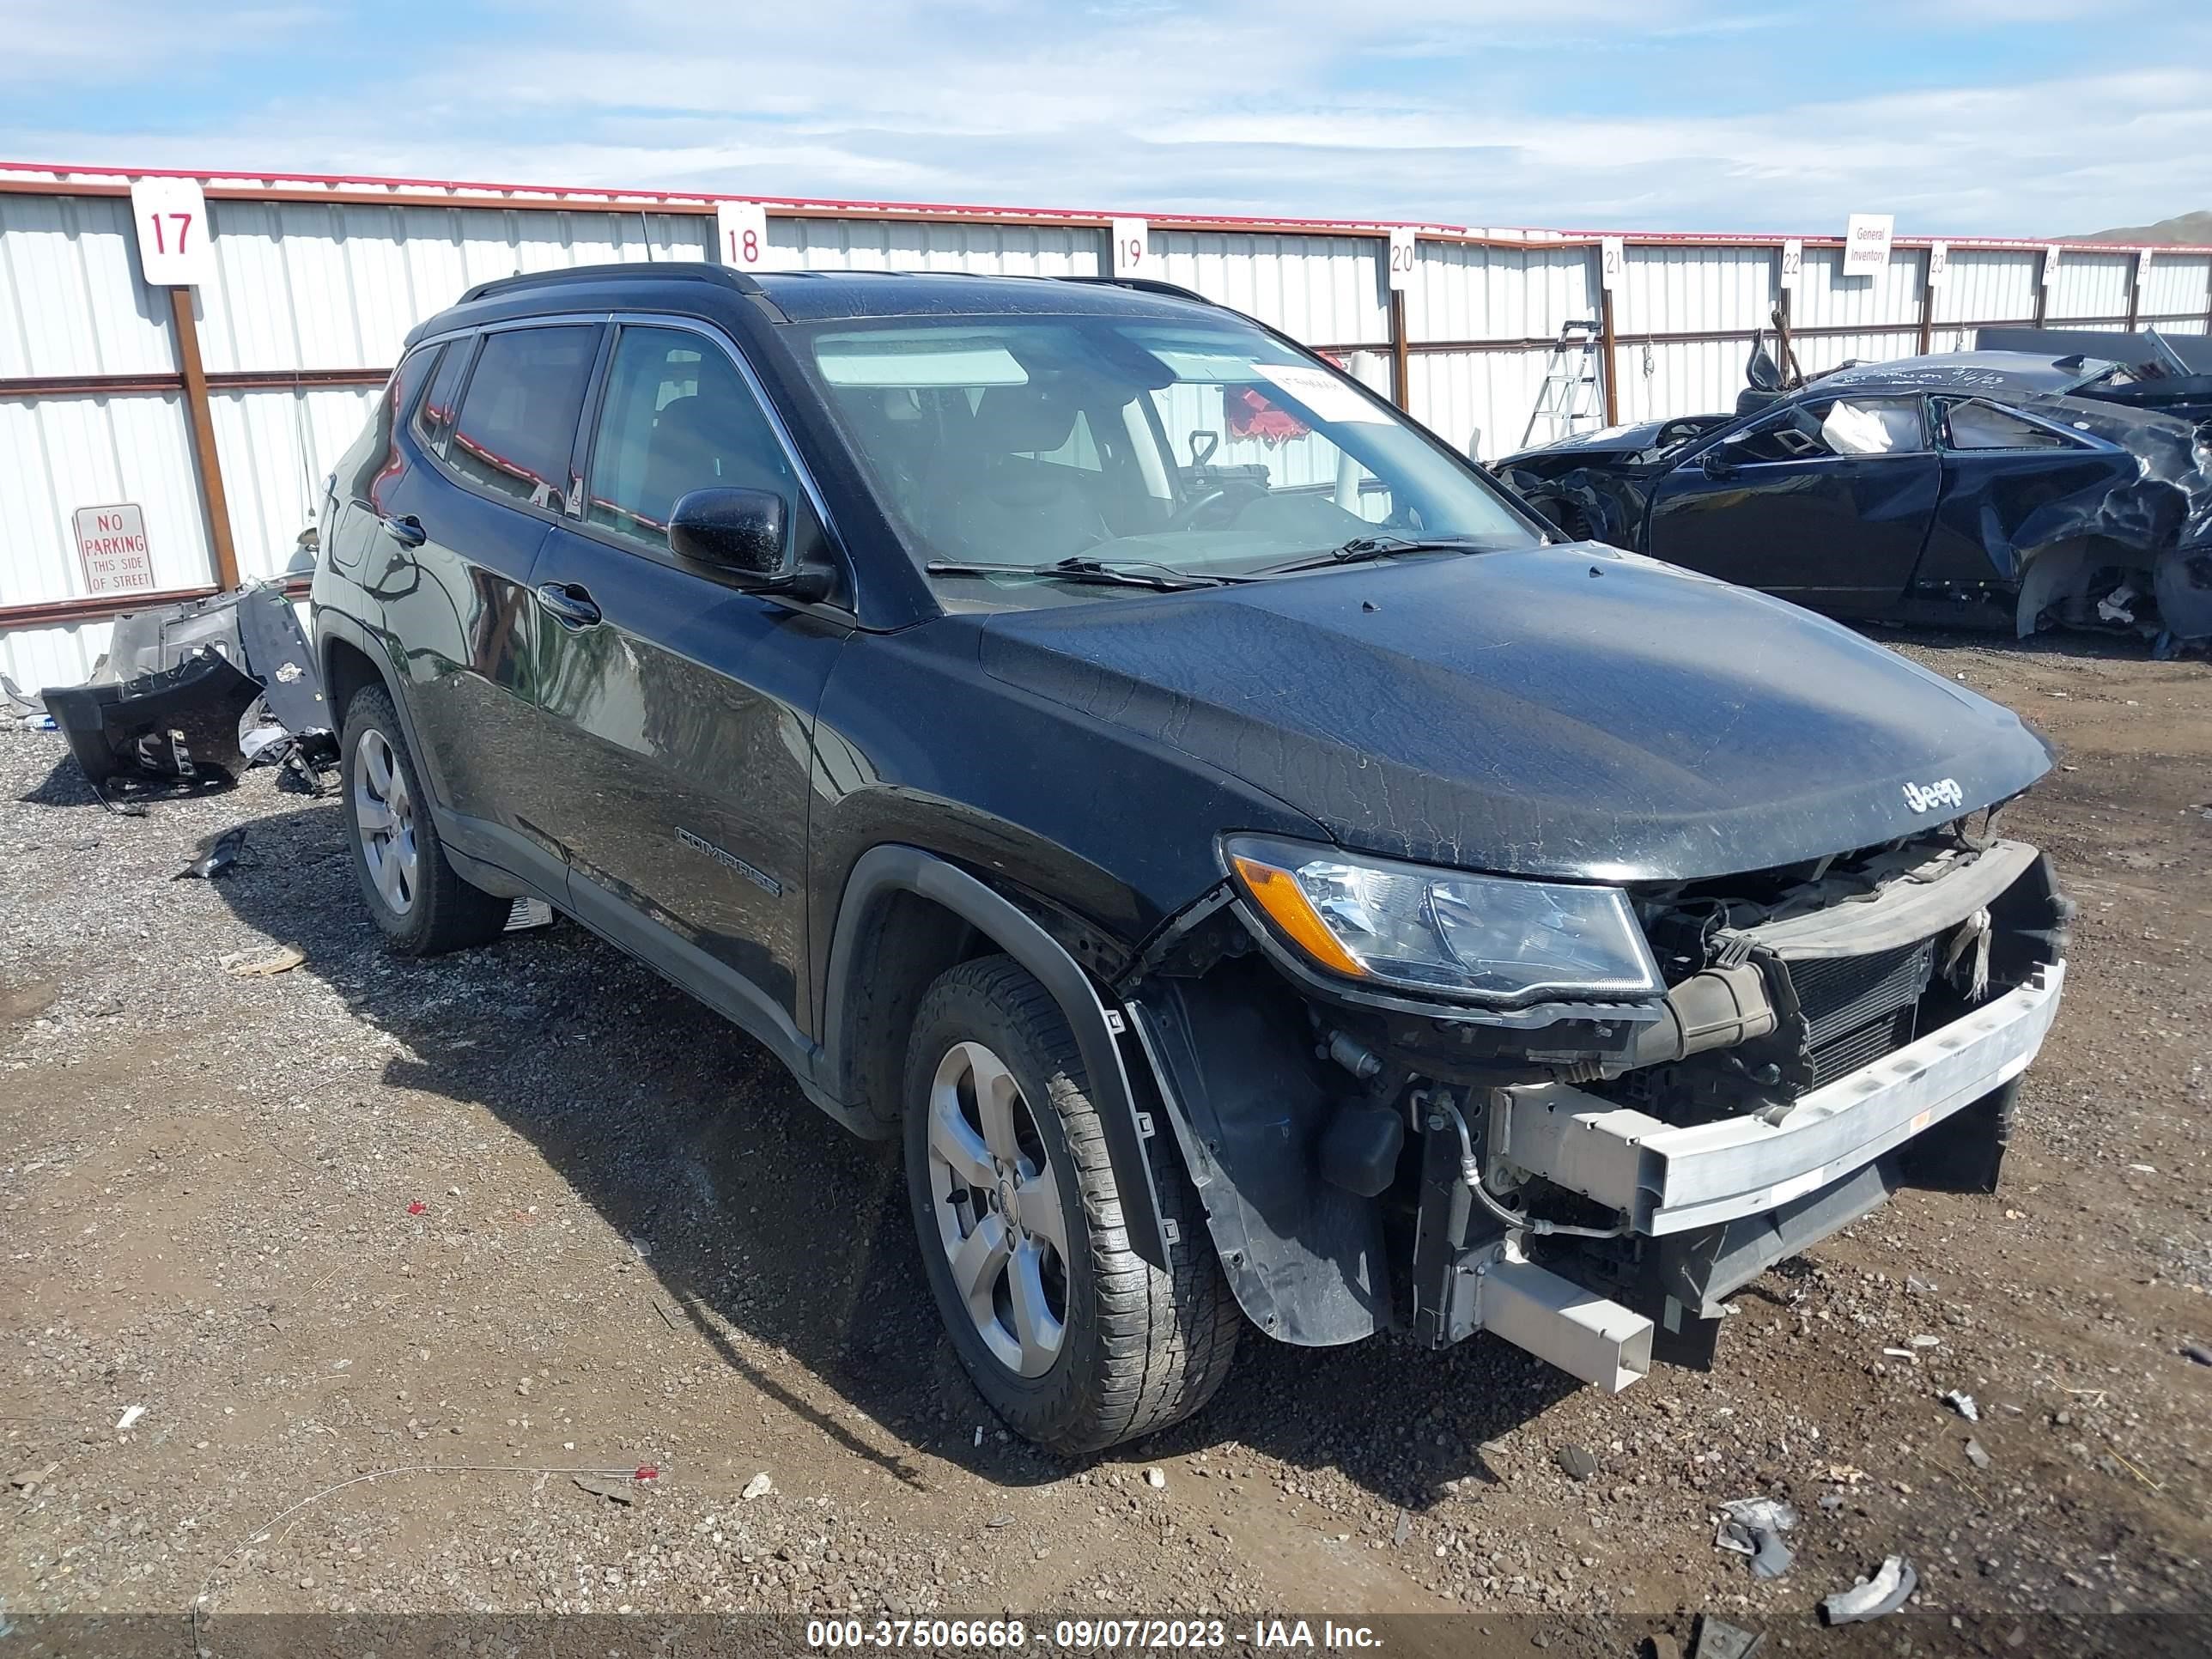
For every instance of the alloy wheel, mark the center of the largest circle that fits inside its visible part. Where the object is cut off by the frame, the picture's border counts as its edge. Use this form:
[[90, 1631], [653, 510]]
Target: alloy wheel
[[384, 813], [999, 1212]]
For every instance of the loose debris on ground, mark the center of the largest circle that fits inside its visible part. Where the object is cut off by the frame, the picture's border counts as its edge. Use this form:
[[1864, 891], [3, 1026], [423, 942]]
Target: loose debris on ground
[[399, 1254]]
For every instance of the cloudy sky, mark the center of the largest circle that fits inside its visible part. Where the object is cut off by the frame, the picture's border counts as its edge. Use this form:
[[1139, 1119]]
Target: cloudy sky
[[2010, 116]]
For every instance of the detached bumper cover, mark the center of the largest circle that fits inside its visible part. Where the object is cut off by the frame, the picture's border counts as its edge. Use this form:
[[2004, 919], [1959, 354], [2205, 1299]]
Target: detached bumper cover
[[1668, 1180]]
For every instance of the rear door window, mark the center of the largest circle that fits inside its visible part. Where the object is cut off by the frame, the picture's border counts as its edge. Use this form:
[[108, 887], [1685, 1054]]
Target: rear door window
[[1984, 425], [517, 426]]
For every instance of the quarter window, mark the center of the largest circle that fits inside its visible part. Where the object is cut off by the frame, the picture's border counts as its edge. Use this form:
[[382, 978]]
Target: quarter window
[[518, 419], [374, 456], [1984, 425], [434, 418], [678, 417]]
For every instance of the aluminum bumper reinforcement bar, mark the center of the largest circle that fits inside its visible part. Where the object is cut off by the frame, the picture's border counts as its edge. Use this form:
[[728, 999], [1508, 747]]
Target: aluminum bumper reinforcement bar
[[1667, 1180]]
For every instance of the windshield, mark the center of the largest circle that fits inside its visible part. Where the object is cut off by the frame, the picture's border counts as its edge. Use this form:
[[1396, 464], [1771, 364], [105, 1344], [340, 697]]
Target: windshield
[[1179, 448]]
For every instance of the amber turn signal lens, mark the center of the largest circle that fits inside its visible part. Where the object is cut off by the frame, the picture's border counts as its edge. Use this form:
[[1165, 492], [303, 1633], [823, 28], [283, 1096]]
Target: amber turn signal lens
[[1278, 893]]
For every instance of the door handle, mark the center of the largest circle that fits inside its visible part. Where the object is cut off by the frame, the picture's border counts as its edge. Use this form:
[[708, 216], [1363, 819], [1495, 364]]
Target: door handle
[[570, 603], [406, 530]]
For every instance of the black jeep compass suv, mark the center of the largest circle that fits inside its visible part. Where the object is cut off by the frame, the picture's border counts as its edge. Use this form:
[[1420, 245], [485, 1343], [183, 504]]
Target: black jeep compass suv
[[1261, 878]]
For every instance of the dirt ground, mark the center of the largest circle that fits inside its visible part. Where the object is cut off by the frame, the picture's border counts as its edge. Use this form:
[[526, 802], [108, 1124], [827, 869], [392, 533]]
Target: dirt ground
[[390, 1253]]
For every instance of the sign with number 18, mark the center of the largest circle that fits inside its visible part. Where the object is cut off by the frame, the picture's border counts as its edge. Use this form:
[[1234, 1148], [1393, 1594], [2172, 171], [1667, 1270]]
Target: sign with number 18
[[741, 235]]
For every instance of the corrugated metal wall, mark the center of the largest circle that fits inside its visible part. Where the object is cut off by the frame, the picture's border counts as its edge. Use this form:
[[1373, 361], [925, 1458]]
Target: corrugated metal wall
[[2178, 285], [1467, 293], [70, 299], [1988, 285], [984, 250], [277, 448], [308, 286], [1882, 313], [1481, 399], [2090, 287], [304, 287], [1677, 290], [58, 454], [1324, 290]]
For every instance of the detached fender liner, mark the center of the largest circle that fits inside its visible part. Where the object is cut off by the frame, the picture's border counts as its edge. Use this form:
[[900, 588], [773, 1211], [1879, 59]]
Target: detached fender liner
[[888, 869], [1305, 1258]]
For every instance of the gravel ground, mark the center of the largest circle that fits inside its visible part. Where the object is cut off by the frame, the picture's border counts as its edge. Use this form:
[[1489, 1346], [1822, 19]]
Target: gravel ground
[[413, 1266]]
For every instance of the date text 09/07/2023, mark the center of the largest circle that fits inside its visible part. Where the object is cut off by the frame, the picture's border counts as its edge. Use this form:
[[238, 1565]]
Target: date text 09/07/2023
[[1084, 1635]]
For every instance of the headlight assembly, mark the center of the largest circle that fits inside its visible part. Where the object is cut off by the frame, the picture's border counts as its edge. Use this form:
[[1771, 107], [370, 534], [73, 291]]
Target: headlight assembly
[[1488, 938]]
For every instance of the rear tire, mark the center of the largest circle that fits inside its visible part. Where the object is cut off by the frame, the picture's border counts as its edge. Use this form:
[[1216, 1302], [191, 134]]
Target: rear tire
[[1074, 1339], [419, 905]]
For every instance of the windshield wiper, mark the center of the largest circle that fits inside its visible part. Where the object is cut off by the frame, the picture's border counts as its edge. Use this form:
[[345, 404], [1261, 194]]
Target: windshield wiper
[[1129, 573], [1361, 549]]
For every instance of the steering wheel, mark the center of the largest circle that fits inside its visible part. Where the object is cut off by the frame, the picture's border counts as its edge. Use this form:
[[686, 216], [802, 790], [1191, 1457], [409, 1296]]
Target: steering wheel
[[1186, 516]]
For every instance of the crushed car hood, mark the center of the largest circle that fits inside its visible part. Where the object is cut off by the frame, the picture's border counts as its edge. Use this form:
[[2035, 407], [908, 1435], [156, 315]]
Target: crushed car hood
[[1606, 441], [1569, 711]]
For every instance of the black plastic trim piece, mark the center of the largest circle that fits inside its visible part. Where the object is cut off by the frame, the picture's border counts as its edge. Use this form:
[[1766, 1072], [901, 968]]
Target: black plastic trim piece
[[889, 869], [679, 271]]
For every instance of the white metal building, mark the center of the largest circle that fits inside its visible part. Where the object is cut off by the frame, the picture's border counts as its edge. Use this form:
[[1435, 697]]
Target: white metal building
[[216, 409]]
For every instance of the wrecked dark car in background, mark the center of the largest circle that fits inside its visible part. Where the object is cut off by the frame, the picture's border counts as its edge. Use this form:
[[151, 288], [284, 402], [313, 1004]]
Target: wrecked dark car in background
[[1994, 489]]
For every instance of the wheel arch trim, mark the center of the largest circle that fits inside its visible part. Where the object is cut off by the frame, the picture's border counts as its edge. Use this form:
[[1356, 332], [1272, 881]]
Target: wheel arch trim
[[335, 627], [886, 870]]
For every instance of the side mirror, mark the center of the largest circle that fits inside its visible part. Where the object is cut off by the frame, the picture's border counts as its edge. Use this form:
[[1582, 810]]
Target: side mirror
[[1715, 466], [744, 534]]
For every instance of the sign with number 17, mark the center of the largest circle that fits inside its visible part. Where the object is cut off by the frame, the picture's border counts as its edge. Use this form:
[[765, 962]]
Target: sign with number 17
[[176, 248]]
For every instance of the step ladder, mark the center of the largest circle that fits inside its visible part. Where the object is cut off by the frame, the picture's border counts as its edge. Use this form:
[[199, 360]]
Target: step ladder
[[1571, 395]]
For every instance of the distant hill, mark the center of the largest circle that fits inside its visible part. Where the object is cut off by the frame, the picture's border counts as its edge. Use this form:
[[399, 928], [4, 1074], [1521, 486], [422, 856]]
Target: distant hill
[[2182, 228]]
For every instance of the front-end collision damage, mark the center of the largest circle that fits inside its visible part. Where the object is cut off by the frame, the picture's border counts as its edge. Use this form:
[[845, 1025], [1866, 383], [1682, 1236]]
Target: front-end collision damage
[[1591, 1182]]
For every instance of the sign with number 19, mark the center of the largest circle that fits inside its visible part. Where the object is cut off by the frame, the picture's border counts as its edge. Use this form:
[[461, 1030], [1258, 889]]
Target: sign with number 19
[[176, 249], [1132, 248]]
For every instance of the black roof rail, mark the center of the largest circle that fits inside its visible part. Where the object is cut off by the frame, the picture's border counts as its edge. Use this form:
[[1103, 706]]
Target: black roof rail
[[1146, 285], [691, 270]]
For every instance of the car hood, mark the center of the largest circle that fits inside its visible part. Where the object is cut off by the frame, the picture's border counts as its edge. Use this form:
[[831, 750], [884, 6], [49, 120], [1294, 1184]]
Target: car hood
[[1568, 711], [1591, 445]]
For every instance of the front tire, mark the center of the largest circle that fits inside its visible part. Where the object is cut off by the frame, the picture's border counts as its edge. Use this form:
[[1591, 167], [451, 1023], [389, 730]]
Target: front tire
[[419, 905], [1074, 1339]]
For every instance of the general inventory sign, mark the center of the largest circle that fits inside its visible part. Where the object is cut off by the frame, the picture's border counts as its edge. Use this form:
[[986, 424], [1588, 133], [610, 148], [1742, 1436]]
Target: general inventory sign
[[1866, 243], [111, 544]]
